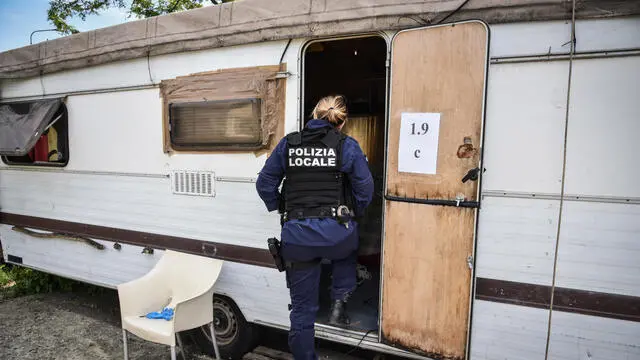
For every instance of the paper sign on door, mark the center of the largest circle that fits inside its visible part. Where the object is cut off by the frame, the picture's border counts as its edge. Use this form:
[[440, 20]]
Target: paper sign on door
[[418, 148]]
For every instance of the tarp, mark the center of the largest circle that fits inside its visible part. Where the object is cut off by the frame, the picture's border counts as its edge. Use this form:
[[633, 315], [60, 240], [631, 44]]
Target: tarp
[[249, 21], [22, 124]]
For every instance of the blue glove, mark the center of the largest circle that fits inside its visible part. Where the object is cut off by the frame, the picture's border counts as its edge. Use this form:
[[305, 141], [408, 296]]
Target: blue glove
[[166, 313]]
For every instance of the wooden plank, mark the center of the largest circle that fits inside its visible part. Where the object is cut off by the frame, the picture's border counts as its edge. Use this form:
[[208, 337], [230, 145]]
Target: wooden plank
[[254, 356], [426, 278], [265, 353], [273, 354], [333, 355]]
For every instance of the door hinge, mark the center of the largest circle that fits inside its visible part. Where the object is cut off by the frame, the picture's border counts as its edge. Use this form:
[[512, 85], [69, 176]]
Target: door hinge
[[470, 262]]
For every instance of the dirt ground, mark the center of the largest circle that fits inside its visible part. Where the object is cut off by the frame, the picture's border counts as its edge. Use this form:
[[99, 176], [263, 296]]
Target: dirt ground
[[70, 326], [80, 326]]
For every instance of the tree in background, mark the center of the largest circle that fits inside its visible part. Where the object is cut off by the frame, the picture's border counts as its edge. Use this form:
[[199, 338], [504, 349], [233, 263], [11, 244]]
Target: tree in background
[[60, 11]]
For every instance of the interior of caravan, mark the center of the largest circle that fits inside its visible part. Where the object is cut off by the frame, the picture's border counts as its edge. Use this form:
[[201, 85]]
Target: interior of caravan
[[355, 68], [52, 146]]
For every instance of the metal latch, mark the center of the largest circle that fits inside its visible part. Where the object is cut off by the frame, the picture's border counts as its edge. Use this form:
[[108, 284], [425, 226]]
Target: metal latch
[[282, 74], [209, 249], [459, 198], [471, 175], [470, 262]]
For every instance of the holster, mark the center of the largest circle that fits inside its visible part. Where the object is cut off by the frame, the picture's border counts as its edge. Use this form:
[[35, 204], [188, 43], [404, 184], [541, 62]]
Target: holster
[[274, 249]]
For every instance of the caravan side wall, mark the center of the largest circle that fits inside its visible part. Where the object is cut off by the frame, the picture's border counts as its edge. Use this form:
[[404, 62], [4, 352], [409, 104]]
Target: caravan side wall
[[117, 178], [595, 280]]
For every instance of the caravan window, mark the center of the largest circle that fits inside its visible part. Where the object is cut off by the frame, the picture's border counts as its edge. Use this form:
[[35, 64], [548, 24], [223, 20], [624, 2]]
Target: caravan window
[[216, 124], [34, 133], [236, 109]]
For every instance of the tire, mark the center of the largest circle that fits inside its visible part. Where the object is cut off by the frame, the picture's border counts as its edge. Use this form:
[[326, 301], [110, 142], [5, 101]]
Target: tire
[[234, 334]]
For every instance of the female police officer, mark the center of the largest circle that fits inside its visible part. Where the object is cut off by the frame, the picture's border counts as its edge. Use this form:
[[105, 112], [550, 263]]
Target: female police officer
[[327, 180]]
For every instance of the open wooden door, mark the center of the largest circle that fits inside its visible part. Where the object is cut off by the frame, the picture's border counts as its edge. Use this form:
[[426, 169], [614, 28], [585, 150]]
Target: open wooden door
[[435, 134]]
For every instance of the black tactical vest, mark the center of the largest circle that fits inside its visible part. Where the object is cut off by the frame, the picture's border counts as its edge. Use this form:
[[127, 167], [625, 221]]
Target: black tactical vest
[[314, 186]]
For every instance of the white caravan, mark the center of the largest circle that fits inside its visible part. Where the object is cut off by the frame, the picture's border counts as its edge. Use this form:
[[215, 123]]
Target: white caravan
[[502, 138]]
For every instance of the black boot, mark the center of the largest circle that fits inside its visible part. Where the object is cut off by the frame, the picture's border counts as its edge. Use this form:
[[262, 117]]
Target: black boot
[[338, 313]]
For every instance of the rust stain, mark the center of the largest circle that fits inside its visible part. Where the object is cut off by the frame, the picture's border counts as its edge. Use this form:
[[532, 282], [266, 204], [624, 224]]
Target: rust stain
[[466, 151], [397, 343]]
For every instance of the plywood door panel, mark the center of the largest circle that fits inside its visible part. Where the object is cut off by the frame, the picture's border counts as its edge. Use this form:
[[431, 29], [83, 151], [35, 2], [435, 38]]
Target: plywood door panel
[[426, 278], [438, 70]]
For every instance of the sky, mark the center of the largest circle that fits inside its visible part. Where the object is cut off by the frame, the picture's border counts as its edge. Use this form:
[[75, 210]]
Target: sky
[[18, 18]]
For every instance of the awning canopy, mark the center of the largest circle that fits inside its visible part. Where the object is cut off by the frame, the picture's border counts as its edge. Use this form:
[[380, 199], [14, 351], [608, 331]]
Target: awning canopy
[[254, 21], [22, 124]]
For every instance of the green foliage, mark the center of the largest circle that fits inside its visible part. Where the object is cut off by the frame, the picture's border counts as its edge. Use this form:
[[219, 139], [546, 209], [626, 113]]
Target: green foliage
[[29, 281], [149, 8], [61, 11], [4, 277]]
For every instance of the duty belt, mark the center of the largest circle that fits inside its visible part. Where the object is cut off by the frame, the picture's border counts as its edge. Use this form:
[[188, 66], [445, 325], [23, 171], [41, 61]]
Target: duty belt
[[340, 213]]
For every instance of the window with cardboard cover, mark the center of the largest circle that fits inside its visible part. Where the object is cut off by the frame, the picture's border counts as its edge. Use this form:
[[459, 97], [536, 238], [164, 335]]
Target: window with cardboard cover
[[34, 133], [239, 109]]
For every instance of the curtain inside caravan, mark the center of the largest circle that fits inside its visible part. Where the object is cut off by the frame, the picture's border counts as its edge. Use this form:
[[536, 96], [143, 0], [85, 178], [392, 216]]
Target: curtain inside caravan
[[210, 123], [22, 124]]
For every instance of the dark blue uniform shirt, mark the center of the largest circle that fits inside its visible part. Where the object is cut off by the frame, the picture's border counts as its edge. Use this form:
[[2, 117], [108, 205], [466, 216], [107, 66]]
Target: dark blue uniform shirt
[[317, 232]]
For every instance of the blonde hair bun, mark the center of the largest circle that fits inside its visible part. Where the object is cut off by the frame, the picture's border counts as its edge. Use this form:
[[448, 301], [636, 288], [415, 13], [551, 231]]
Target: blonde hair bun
[[331, 108]]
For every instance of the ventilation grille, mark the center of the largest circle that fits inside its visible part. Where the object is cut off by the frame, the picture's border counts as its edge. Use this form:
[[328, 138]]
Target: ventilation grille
[[199, 183]]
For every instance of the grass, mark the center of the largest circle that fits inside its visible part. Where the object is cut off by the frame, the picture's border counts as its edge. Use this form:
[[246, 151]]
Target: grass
[[4, 277], [6, 283], [18, 280]]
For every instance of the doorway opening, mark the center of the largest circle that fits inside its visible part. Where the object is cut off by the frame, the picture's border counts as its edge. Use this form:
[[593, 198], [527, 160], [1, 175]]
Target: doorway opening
[[356, 69]]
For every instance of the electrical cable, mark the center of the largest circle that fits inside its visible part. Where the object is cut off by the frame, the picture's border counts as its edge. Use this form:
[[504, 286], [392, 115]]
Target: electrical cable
[[562, 179], [285, 51], [453, 12], [360, 342]]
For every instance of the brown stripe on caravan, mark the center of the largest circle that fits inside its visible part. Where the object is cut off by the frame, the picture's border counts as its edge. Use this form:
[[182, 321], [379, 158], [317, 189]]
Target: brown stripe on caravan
[[516, 293], [234, 253], [585, 302], [615, 306]]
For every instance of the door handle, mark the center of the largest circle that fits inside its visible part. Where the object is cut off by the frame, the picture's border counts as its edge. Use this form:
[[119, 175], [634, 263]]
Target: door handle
[[437, 202], [471, 175]]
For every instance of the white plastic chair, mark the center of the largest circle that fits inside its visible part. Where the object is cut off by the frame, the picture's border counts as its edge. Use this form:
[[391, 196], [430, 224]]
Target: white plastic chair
[[179, 281]]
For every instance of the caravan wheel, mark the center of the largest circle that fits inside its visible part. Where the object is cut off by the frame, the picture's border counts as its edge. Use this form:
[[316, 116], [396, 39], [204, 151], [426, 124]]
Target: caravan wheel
[[234, 334]]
